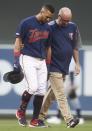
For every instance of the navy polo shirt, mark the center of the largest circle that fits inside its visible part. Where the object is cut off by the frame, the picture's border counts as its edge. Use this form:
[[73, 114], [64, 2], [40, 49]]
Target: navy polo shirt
[[64, 41]]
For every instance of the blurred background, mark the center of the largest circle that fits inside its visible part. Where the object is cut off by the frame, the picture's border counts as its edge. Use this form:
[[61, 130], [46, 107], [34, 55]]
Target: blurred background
[[11, 13]]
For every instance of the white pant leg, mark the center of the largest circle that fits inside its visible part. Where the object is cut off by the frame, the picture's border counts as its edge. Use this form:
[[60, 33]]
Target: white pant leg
[[35, 72], [29, 66], [42, 78]]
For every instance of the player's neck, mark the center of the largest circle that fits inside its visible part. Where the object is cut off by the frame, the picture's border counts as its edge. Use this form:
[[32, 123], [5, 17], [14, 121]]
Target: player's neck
[[38, 17]]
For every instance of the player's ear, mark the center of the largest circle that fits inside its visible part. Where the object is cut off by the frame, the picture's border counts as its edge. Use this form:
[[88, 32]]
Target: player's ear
[[42, 10]]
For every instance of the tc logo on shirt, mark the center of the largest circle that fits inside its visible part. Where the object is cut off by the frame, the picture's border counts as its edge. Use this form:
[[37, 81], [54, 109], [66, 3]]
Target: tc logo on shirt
[[36, 35], [71, 36]]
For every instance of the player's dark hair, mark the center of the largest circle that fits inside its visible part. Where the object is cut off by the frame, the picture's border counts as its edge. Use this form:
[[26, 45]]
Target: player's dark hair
[[49, 7]]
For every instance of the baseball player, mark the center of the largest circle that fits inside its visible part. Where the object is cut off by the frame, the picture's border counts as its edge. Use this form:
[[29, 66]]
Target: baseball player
[[65, 43], [34, 33]]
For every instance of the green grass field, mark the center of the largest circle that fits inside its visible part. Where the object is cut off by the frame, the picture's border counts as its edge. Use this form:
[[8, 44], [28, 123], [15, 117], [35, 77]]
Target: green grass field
[[12, 125]]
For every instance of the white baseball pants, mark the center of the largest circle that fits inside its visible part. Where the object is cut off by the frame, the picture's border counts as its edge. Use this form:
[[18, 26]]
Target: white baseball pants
[[35, 72]]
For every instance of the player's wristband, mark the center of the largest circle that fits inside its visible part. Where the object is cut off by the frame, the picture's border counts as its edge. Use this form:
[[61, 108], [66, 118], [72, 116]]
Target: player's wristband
[[48, 62], [16, 61]]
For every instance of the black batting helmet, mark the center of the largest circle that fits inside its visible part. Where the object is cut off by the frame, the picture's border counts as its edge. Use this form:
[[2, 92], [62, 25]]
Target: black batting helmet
[[13, 77]]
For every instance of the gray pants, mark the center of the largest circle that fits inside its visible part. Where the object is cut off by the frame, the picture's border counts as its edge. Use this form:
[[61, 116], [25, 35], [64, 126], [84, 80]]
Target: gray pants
[[56, 92]]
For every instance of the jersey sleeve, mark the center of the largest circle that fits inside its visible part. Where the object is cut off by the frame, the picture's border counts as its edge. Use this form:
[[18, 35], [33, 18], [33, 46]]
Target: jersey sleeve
[[77, 39], [20, 29]]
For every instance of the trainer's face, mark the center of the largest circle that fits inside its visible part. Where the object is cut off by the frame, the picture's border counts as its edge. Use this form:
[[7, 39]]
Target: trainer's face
[[46, 16], [63, 20]]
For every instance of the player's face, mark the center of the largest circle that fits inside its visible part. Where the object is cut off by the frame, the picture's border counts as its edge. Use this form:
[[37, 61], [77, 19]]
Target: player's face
[[46, 16]]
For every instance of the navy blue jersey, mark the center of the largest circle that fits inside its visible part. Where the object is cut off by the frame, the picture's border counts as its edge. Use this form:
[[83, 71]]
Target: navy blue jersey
[[34, 36], [64, 40]]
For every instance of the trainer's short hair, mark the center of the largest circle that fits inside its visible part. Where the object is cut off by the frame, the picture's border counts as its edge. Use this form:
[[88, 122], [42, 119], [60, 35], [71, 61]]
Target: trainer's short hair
[[49, 7]]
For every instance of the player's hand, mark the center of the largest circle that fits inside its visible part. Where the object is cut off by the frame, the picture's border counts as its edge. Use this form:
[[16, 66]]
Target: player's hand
[[77, 69]]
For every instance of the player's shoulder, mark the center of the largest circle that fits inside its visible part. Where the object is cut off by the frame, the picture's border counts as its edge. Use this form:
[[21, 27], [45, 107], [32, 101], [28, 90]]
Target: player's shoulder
[[27, 19], [51, 23]]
